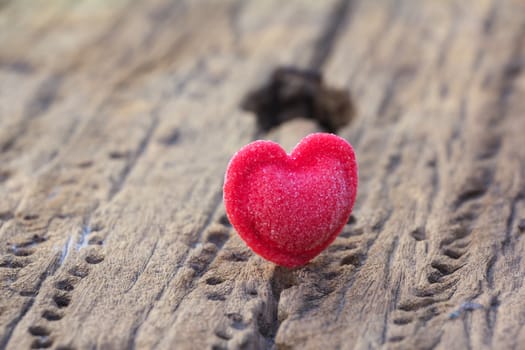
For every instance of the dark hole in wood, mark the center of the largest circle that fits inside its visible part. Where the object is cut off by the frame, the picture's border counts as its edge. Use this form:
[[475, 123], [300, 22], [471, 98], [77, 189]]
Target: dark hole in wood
[[299, 93], [96, 241], [38, 239], [51, 315], [214, 281], [117, 155], [171, 138], [22, 251], [29, 217], [234, 316], [85, 164], [429, 313], [352, 259], [38, 331], [237, 256], [79, 271], [402, 320], [494, 301], [218, 237], [94, 258], [11, 263], [198, 266], [470, 194], [414, 304], [28, 293], [434, 276], [65, 285], [452, 253], [396, 339], [223, 220], [444, 268], [62, 300], [418, 234]]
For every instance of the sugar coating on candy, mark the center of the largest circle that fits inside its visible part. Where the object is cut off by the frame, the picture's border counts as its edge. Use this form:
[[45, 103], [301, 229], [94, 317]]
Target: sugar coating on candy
[[289, 208]]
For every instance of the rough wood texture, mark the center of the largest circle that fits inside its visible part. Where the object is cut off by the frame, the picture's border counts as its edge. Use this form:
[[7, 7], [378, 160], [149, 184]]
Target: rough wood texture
[[117, 119]]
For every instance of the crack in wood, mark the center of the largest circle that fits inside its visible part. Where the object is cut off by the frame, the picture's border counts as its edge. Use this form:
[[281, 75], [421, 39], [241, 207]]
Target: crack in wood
[[491, 314], [390, 258], [142, 269], [510, 225], [280, 280], [216, 203], [324, 46], [132, 161]]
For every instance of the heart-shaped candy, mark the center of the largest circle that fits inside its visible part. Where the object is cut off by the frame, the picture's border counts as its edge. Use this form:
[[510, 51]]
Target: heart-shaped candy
[[289, 208]]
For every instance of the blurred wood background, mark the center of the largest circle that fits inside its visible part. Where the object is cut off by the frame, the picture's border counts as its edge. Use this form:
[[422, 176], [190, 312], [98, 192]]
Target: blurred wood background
[[117, 120]]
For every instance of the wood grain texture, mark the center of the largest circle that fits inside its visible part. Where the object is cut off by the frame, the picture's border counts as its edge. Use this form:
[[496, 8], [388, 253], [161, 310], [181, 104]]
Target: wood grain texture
[[117, 120]]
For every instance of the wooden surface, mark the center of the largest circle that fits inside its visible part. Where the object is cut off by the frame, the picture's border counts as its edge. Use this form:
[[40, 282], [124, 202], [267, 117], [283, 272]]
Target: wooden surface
[[117, 120]]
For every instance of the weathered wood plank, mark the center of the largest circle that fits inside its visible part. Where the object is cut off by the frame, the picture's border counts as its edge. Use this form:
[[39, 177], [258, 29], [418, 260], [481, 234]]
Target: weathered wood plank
[[158, 132], [441, 183], [117, 121]]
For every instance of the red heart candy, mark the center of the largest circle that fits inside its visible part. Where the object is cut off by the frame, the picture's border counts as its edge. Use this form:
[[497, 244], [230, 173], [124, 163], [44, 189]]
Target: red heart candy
[[289, 208]]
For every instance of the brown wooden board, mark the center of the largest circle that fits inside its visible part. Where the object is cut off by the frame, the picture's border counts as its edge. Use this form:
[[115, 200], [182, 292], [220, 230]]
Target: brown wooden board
[[118, 118]]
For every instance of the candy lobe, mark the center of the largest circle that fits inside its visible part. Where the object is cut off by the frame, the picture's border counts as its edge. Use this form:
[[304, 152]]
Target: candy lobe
[[288, 208]]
